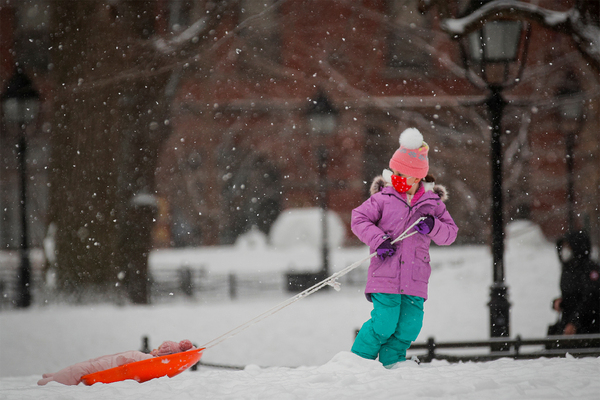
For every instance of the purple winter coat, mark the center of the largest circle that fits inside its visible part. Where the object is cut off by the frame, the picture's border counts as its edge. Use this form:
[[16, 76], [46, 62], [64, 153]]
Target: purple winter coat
[[386, 212]]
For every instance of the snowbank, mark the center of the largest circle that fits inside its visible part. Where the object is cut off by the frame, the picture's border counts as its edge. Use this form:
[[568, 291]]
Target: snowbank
[[347, 376], [302, 226]]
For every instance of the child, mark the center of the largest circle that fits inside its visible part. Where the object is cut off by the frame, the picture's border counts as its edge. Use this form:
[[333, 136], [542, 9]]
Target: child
[[398, 276], [71, 375]]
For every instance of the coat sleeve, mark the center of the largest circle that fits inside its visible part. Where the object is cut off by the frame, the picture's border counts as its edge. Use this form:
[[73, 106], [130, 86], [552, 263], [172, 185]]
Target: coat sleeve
[[72, 374], [364, 223], [444, 230]]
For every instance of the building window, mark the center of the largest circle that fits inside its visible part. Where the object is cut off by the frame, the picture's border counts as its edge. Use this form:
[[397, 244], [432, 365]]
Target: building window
[[409, 29]]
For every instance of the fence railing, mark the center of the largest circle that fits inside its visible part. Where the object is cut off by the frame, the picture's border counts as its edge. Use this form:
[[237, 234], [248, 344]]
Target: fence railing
[[197, 283], [517, 348], [167, 284]]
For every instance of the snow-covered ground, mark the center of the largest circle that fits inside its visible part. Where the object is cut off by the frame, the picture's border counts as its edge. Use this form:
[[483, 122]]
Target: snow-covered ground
[[302, 352]]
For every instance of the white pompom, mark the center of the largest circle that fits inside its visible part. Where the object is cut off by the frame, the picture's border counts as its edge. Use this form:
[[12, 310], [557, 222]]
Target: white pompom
[[411, 138]]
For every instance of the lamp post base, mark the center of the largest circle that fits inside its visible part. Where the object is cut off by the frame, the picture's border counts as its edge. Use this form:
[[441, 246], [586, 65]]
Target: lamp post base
[[24, 296], [499, 315]]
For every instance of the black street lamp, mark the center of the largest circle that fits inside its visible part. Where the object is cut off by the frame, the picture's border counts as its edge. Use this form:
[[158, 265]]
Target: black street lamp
[[570, 105], [322, 119], [491, 53], [20, 104]]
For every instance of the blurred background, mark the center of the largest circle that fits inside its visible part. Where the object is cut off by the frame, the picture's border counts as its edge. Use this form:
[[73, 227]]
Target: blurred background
[[134, 126]]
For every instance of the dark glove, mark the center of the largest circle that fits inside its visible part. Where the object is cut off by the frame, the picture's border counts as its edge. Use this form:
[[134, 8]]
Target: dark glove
[[385, 249], [426, 225]]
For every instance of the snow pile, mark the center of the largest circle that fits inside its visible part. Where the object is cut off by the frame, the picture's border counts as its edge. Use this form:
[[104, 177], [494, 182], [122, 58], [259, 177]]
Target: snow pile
[[525, 233], [302, 226], [254, 239], [294, 244]]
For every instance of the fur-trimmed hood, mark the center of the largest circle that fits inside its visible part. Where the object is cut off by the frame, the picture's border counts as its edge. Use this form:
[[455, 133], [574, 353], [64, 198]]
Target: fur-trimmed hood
[[379, 183]]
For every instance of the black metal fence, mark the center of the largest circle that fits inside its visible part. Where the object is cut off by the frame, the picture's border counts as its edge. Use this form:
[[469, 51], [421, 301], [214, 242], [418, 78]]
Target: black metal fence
[[168, 284], [198, 284], [517, 348]]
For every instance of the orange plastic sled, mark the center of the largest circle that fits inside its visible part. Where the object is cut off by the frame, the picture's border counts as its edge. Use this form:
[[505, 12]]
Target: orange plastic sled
[[142, 371]]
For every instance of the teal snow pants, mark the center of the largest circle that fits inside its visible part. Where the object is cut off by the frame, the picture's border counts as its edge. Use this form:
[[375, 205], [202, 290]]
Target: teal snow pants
[[395, 323]]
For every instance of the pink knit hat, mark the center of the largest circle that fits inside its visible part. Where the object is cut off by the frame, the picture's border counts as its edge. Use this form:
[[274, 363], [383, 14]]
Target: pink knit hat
[[411, 158]]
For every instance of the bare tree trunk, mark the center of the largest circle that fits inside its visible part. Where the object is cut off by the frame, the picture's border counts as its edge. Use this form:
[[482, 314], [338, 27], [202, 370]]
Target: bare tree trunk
[[104, 145]]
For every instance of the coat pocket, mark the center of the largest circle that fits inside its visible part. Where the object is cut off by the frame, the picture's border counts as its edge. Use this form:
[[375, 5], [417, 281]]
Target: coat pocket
[[421, 268], [385, 269]]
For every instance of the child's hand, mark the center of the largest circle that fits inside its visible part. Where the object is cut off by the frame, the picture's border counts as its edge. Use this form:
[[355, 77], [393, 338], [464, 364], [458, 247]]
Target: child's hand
[[385, 249], [570, 329], [426, 225], [556, 304]]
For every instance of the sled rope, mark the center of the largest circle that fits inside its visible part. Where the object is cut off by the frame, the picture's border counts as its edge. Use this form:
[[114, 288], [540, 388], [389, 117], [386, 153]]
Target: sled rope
[[328, 281]]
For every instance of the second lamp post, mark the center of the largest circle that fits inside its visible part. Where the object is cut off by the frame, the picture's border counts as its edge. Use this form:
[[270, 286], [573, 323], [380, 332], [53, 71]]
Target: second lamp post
[[322, 119]]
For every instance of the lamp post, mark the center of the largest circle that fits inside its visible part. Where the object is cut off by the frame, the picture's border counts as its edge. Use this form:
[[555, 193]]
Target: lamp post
[[490, 52], [571, 119], [322, 119], [20, 103]]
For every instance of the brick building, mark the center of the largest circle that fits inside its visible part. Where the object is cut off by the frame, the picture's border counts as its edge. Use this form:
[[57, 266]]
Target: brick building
[[240, 149]]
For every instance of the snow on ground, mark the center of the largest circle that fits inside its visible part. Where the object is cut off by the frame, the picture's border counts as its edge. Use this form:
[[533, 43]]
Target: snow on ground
[[348, 377], [302, 352]]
